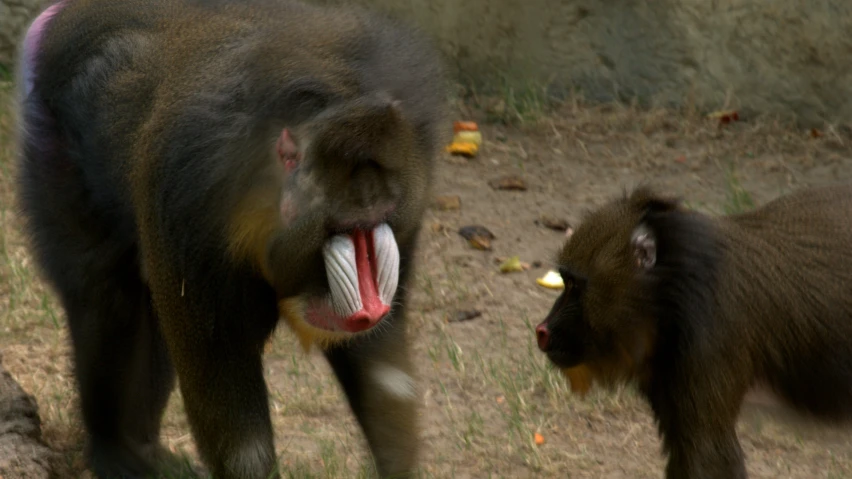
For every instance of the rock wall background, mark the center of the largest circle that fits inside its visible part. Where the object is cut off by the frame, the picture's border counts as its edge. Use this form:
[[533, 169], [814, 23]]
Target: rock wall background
[[787, 57], [15, 15]]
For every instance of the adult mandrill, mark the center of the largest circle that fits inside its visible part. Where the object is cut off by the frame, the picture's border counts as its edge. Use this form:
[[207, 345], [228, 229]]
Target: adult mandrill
[[697, 310], [190, 171]]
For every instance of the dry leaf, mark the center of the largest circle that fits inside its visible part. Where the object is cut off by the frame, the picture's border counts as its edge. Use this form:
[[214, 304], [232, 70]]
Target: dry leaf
[[447, 202], [552, 222], [500, 399], [509, 182], [478, 236], [464, 315], [480, 243], [724, 116]]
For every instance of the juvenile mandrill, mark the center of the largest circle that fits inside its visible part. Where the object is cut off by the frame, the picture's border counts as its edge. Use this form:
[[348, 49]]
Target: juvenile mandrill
[[192, 170], [697, 310]]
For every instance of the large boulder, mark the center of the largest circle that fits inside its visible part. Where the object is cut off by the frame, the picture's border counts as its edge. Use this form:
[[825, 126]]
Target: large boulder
[[23, 453]]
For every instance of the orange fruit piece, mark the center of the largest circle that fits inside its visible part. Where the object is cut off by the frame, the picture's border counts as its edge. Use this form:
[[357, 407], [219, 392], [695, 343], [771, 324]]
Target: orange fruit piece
[[465, 126]]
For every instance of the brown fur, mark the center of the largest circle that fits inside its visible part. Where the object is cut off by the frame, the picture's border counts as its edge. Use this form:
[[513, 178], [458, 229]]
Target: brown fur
[[697, 310]]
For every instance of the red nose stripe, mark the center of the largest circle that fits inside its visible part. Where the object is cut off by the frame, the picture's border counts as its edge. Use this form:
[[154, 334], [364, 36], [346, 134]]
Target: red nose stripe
[[365, 262]]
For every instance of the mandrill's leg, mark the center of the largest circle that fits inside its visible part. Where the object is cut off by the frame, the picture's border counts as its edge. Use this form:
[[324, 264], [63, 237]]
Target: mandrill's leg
[[377, 377]]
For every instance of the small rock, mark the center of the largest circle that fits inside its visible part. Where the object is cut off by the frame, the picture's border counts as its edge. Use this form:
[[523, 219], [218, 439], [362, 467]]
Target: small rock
[[447, 202]]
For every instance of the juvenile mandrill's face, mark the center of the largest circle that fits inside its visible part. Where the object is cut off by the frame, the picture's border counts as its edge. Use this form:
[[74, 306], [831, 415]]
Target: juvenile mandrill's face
[[603, 266], [565, 335], [354, 185]]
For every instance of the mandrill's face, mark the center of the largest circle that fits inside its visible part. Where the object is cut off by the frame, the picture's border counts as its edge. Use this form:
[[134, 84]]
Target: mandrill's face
[[565, 335], [599, 321], [352, 187]]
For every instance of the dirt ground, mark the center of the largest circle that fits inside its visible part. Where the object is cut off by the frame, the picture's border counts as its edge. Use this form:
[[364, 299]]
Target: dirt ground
[[486, 390]]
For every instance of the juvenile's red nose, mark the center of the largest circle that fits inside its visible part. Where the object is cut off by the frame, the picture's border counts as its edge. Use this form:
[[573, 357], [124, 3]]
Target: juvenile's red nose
[[542, 336]]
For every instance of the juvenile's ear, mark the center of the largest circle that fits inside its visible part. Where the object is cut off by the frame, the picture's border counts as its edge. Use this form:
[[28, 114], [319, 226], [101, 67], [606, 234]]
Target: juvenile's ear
[[643, 242], [646, 200]]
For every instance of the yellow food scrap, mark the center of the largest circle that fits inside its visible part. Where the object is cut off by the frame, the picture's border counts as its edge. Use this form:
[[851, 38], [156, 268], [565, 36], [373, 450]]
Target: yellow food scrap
[[512, 264], [466, 139], [474, 137], [552, 280], [464, 149]]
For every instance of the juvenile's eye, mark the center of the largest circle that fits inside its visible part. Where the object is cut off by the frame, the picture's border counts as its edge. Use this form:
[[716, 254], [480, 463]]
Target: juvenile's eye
[[572, 282], [567, 278]]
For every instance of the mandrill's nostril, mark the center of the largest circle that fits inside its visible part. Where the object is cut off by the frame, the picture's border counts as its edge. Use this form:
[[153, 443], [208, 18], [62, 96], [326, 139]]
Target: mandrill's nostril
[[542, 336]]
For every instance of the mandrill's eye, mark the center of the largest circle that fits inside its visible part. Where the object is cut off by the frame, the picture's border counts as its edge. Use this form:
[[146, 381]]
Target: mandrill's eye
[[573, 283], [567, 278]]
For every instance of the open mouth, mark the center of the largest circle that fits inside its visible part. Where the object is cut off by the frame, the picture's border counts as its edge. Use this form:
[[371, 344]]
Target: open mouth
[[362, 269]]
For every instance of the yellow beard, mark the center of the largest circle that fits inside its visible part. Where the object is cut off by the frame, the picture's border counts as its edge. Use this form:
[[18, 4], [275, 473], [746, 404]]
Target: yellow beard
[[580, 378], [293, 312]]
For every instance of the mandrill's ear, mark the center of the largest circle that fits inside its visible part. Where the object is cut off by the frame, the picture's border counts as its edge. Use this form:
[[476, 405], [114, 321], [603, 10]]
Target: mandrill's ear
[[646, 200], [650, 205], [643, 242]]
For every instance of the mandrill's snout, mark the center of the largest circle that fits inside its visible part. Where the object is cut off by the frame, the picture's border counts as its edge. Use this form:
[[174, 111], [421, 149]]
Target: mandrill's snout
[[542, 336]]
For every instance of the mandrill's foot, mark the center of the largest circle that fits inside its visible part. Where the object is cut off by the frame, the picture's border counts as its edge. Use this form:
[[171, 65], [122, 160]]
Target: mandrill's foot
[[177, 466], [117, 460]]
